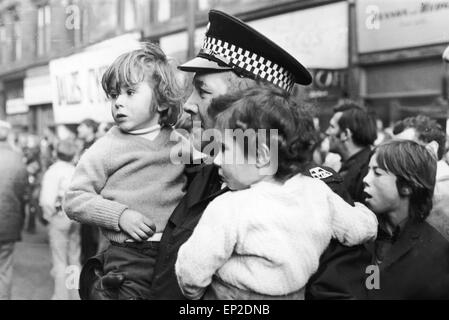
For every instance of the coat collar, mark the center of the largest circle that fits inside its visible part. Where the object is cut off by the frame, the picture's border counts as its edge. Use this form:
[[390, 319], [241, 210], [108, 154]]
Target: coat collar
[[206, 186], [406, 241], [357, 159]]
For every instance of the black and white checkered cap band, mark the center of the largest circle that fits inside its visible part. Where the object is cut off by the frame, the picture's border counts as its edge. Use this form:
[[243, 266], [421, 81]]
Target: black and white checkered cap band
[[261, 67]]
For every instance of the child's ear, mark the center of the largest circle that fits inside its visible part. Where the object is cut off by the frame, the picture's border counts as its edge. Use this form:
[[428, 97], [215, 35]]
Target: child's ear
[[263, 156]]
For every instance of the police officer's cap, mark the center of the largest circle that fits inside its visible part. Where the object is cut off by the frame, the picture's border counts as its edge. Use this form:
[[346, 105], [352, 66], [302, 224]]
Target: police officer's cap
[[230, 44]]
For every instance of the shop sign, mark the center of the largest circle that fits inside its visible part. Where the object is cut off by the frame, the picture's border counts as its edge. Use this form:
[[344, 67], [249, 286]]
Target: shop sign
[[15, 106], [387, 24], [328, 83], [77, 93]]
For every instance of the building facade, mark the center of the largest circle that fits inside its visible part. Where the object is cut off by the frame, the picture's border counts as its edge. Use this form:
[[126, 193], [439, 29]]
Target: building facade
[[399, 57], [385, 53]]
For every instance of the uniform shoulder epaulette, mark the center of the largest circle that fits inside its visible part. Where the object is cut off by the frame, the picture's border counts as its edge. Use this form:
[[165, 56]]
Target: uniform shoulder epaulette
[[320, 173]]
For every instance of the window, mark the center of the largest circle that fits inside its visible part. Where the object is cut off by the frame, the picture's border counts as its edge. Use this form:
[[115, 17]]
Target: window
[[163, 10], [16, 35], [102, 19], [204, 5], [3, 44], [167, 9], [130, 14], [76, 15], [179, 8], [43, 29]]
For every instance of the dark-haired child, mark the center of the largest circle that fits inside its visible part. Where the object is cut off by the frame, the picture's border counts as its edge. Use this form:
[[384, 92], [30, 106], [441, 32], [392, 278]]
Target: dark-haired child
[[126, 182], [264, 239]]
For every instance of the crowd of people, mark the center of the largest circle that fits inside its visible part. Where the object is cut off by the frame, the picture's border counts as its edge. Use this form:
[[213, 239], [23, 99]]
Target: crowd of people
[[278, 214], [37, 172]]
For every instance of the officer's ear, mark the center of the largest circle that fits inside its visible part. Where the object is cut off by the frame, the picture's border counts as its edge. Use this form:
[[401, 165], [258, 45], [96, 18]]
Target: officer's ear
[[263, 156], [345, 135]]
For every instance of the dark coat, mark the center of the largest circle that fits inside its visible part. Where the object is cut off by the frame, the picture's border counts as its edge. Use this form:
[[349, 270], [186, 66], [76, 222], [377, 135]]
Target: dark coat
[[13, 186], [204, 187], [353, 170], [415, 267]]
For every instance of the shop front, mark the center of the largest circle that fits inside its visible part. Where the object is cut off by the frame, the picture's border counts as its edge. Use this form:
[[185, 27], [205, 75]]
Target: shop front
[[37, 96], [319, 44], [15, 107], [76, 81], [400, 45]]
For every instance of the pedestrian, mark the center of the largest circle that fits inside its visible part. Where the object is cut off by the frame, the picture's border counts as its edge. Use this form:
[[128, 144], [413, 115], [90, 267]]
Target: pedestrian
[[412, 256], [90, 235], [126, 183], [424, 130], [13, 186], [222, 67], [87, 130], [64, 234], [47, 147], [35, 171], [352, 132], [264, 239]]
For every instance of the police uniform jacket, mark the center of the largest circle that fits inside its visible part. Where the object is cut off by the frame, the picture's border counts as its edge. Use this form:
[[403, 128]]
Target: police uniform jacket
[[204, 187]]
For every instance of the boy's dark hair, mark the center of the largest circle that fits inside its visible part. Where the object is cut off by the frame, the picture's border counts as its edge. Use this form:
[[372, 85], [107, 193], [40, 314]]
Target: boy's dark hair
[[356, 118], [427, 130], [271, 108], [415, 168], [147, 64], [90, 123]]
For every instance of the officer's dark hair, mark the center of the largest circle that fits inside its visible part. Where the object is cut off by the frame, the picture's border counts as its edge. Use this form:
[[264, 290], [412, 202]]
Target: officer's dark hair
[[427, 130], [271, 108], [357, 119], [415, 170], [90, 123]]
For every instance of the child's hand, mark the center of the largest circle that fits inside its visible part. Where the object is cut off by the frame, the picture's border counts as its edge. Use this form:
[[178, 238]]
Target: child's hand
[[136, 225]]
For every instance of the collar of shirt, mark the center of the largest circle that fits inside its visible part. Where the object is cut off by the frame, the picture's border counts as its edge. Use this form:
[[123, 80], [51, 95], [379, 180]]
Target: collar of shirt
[[386, 237], [387, 233], [356, 158], [149, 133]]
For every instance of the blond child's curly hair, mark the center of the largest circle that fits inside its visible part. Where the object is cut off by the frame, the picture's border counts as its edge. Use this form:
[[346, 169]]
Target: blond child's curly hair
[[148, 64]]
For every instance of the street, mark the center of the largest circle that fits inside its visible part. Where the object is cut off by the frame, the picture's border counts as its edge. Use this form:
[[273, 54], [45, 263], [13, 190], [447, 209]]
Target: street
[[32, 264]]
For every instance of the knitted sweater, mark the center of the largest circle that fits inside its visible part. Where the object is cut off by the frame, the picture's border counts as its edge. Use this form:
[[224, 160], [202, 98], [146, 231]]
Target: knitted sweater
[[269, 238], [122, 171]]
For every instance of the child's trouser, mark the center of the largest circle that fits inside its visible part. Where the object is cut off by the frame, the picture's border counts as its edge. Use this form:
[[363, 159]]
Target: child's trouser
[[64, 238], [122, 272]]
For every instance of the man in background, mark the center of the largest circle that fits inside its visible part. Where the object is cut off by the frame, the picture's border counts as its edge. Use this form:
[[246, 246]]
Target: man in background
[[87, 130], [352, 132], [13, 184]]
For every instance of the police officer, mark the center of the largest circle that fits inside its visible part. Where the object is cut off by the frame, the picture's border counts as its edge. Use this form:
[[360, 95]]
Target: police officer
[[233, 57]]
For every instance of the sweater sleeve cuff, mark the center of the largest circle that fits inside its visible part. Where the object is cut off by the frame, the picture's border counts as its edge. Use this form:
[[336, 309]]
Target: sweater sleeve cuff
[[107, 214]]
